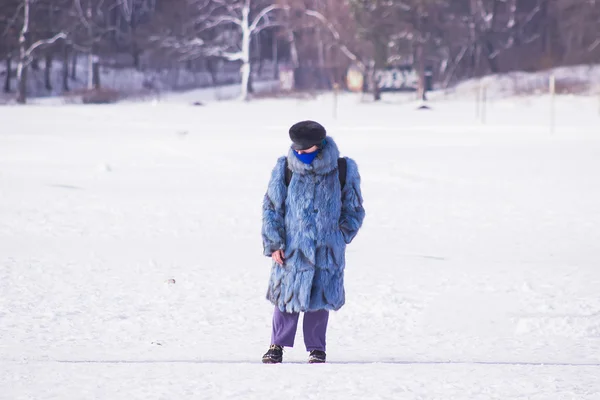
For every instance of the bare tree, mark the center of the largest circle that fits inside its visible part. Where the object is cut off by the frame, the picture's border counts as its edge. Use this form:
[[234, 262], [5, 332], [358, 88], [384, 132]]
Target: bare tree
[[10, 18], [92, 26], [209, 32], [133, 12], [459, 38], [26, 50], [501, 24], [578, 26], [322, 41]]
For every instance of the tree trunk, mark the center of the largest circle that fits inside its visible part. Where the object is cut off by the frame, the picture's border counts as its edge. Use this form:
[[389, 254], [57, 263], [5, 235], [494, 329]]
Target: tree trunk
[[74, 66], [8, 77], [91, 68], [491, 59], [90, 71], [245, 70], [420, 58], [246, 34], [22, 82], [135, 51], [545, 29], [23, 56], [376, 89], [322, 80], [275, 57], [453, 67], [96, 73], [250, 82], [487, 40], [420, 50], [551, 42], [380, 45], [373, 83], [293, 50], [48, 71], [93, 78], [65, 69], [320, 44], [472, 50], [258, 55], [212, 70]]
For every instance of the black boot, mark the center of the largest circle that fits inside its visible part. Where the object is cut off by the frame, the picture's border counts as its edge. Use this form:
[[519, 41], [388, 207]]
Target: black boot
[[274, 355], [316, 357]]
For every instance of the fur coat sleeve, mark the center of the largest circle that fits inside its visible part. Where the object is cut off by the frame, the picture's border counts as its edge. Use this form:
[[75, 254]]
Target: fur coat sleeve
[[353, 212], [273, 221]]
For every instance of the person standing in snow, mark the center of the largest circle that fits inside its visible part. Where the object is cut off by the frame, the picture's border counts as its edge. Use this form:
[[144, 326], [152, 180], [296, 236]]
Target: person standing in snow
[[311, 211]]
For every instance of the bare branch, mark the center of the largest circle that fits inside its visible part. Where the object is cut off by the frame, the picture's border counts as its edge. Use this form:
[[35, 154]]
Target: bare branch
[[532, 38], [336, 35], [44, 42], [11, 22], [533, 13], [266, 26], [512, 20], [263, 13], [221, 20], [486, 17], [81, 14], [126, 9], [457, 61]]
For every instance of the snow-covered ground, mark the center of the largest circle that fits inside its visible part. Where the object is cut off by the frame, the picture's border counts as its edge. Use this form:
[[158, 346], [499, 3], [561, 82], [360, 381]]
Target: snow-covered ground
[[475, 276]]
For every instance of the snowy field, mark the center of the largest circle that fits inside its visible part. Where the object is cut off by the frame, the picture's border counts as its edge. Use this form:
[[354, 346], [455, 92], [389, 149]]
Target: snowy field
[[476, 275]]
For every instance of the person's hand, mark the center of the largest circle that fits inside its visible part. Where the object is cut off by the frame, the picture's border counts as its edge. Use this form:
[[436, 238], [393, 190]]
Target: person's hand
[[278, 257]]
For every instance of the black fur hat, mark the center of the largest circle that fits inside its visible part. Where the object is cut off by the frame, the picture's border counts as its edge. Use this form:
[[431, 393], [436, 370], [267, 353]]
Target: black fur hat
[[306, 134]]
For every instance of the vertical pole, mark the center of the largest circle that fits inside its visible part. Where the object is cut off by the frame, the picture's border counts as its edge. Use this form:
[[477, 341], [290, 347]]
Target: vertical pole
[[335, 100], [275, 56], [552, 102], [477, 100], [484, 104]]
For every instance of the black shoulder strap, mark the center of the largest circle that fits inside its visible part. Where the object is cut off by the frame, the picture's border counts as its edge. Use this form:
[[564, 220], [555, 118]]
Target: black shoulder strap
[[342, 167], [288, 174]]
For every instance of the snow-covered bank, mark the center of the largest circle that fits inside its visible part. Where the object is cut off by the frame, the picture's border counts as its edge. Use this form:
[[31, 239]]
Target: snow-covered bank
[[578, 80]]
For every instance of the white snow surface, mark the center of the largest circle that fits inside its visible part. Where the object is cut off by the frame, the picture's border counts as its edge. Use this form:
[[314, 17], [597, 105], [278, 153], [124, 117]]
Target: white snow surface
[[475, 276]]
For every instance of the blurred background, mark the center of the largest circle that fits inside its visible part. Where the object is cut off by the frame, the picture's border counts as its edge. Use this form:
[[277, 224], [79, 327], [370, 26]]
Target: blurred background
[[101, 51]]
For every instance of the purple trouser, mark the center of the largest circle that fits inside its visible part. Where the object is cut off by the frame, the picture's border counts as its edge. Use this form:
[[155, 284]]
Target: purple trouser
[[314, 327]]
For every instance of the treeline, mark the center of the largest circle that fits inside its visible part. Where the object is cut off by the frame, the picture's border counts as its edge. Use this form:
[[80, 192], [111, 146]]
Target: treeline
[[318, 39]]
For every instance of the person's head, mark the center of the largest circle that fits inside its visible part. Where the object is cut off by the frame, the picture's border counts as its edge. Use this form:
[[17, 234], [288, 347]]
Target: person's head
[[307, 136]]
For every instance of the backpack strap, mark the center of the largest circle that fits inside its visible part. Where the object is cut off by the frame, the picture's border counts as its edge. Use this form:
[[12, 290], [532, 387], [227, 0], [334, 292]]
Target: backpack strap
[[342, 167], [288, 174]]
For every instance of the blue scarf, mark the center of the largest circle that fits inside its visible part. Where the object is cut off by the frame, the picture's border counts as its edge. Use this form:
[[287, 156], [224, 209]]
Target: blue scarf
[[307, 158]]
